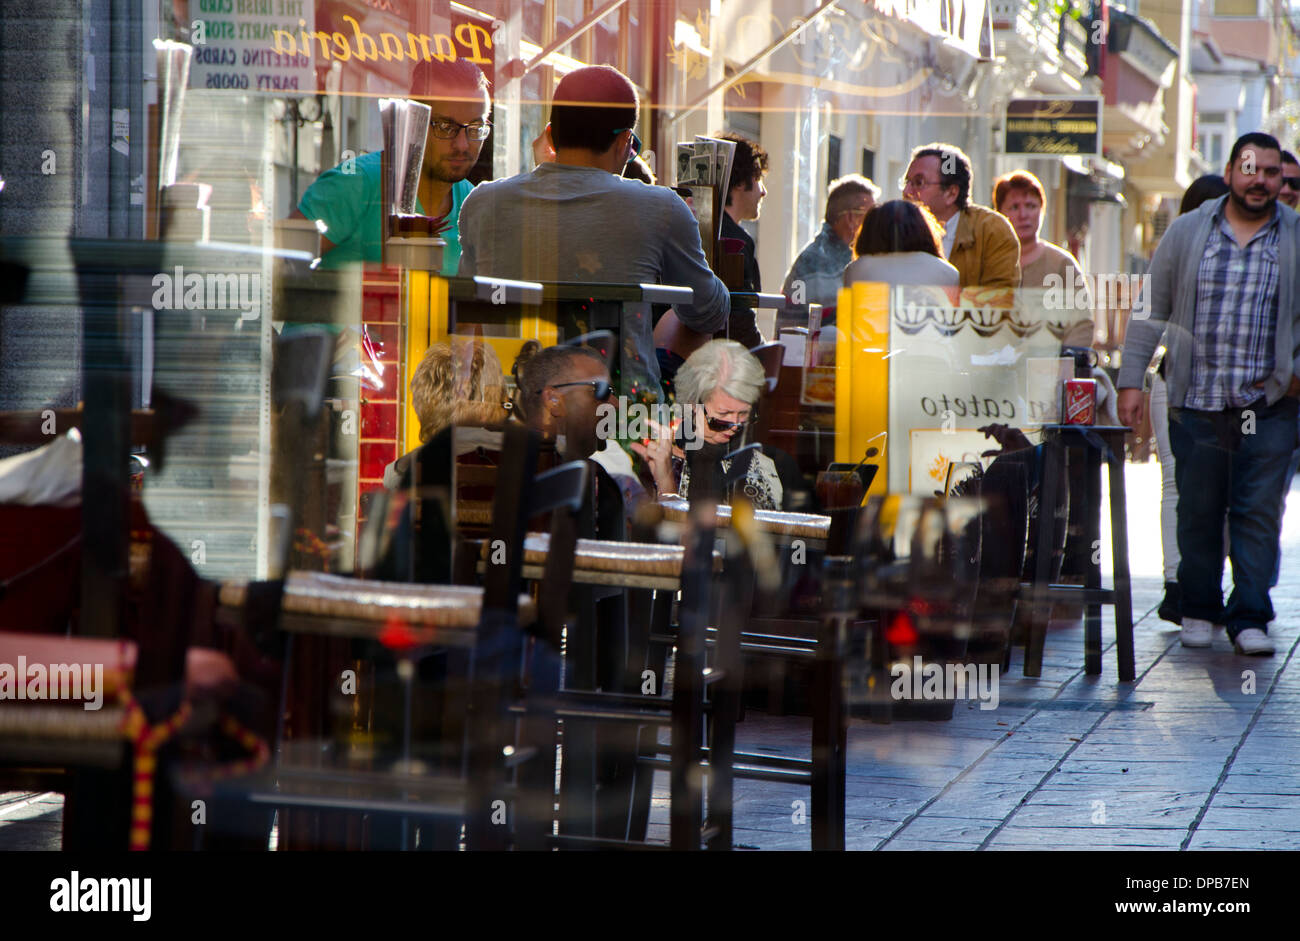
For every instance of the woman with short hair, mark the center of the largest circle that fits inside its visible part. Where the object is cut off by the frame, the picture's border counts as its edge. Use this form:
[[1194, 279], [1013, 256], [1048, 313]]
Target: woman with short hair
[[900, 244], [1020, 197], [723, 382]]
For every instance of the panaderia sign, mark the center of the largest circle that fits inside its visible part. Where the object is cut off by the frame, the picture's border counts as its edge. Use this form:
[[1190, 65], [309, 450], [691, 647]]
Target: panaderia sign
[[275, 46]]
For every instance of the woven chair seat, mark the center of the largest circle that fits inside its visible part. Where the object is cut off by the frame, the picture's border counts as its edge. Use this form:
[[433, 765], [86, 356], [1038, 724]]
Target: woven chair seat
[[803, 525], [473, 513], [623, 558], [62, 723], [321, 595]]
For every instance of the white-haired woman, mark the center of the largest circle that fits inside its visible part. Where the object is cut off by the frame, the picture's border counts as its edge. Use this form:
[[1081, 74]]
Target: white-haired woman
[[723, 382]]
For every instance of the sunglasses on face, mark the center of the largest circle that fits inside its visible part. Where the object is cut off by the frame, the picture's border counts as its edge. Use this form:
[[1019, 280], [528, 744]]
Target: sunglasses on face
[[600, 388], [634, 148], [447, 129], [718, 424], [1291, 182]]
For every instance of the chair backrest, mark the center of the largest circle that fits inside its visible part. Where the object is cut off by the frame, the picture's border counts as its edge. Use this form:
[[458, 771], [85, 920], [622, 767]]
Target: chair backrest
[[562, 492], [770, 355]]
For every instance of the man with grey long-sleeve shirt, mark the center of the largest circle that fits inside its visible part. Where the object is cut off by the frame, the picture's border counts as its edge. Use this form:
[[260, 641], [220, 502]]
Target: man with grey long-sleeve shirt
[[576, 220], [1223, 293]]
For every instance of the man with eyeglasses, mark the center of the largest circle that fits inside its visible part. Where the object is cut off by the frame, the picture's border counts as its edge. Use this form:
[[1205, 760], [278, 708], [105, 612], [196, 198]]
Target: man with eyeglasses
[[979, 242], [1290, 180], [577, 219], [818, 273], [347, 198]]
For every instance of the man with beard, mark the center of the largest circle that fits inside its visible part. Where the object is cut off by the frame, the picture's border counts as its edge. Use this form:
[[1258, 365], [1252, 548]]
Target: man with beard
[[347, 198], [1230, 322]]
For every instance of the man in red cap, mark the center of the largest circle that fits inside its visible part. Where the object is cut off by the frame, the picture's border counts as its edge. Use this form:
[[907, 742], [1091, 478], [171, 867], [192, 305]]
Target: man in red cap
[[577, 219]]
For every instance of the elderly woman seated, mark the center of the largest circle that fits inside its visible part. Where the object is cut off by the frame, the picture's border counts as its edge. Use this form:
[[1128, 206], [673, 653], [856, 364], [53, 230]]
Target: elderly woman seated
[[721, 382]]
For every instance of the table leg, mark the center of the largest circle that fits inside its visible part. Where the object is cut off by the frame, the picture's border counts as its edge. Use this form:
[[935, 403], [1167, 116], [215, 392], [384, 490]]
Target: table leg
[[1124, 655], [1092, 578], [1040, 609]]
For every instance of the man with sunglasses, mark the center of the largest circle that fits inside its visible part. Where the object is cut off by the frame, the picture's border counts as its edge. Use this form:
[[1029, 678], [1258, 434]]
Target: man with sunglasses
[[1290, 180], [576, 219], [347, 198]]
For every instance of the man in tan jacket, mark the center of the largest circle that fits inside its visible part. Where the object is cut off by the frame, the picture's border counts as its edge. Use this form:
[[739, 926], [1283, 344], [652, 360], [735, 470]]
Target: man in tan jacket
[[978, 242]]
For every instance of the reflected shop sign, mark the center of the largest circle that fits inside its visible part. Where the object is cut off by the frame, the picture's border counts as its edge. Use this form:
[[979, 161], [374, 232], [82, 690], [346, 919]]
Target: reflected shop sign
[[953, 370], [276, 46], [1053, 126]]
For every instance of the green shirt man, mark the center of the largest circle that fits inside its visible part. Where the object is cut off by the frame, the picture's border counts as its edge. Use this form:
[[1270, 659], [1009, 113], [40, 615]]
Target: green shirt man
[[347, 197]]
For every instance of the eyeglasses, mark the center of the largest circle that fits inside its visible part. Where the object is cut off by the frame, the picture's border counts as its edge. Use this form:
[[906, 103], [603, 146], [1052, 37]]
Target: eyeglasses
[[918, 182], [634, 148], [447, 129], [1291, 182], [600, 388]]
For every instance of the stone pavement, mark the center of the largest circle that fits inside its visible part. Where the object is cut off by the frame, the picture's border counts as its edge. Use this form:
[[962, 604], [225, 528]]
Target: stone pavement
[[1186, 757]]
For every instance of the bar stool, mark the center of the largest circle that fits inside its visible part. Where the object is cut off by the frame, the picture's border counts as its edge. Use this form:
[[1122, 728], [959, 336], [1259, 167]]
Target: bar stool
[[1096, 442]]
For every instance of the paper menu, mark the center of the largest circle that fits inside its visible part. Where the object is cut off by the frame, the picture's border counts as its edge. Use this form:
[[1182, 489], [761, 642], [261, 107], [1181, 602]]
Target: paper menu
[[406, 127]]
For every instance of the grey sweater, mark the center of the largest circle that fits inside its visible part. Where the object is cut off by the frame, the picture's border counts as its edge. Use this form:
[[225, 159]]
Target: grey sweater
[[567, 223], [1169, 306]]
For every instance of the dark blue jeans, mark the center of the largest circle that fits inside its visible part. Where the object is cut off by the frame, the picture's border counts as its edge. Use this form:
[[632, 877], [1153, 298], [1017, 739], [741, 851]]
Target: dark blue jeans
[[1231, 463]]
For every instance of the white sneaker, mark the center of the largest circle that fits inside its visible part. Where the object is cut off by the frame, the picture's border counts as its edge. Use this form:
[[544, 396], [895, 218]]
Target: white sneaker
[[1196, 633], [1254, 643]]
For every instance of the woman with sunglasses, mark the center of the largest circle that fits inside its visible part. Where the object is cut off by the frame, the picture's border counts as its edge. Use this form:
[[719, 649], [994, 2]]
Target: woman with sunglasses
[[723, 382]]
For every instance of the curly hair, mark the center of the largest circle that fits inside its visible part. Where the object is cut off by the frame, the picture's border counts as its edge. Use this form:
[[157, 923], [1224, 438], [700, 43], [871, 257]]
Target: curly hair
[[954, 168], [748, 164], [458, 383]]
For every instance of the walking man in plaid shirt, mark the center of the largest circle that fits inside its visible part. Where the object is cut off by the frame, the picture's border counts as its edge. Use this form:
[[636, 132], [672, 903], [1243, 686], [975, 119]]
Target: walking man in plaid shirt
[[1224, 295]]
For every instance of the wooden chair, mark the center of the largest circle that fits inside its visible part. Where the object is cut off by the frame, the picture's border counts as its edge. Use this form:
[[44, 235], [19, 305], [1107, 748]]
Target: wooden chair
[[667, 569]]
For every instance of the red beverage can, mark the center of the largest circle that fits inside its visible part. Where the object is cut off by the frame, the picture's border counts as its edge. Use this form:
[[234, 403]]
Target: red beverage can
[[1080, 402]]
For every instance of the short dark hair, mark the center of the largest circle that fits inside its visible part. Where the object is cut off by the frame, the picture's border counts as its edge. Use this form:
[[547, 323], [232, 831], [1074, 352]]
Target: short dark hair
[[1288, 157], [436, 80], [536, 368], [591, 107], [1203, 189], [749, 163], [1258, 138], [899, 226], [950, 156]]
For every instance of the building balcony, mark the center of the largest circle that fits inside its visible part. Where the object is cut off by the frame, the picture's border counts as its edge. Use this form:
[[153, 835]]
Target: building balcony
[[1031, 31]]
